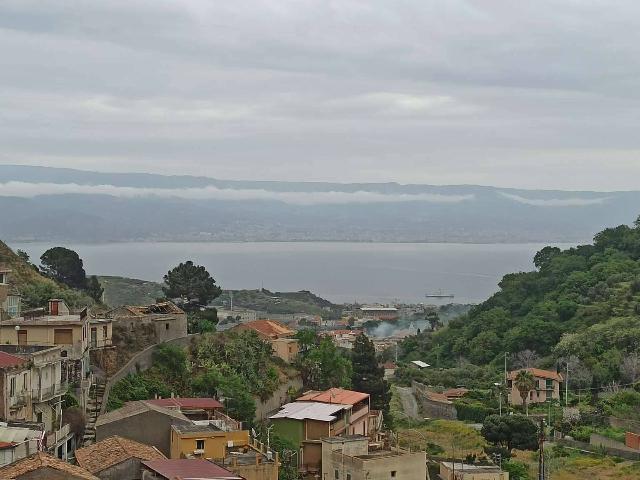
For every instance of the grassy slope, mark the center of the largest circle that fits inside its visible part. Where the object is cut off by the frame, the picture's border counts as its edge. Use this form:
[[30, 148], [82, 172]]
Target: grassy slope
[[129, 291], [21, 273]]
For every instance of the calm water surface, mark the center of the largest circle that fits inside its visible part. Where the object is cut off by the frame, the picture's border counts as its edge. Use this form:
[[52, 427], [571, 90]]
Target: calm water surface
[[341, 272]]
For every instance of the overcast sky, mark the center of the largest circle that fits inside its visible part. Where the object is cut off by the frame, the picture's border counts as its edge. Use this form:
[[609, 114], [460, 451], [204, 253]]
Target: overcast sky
[[509, 93]]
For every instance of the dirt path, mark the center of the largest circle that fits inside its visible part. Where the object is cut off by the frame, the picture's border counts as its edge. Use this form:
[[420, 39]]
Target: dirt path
[[409, 404]]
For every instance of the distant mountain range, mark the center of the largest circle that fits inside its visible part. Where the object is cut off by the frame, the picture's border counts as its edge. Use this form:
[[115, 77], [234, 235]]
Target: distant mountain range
[[54, 204]]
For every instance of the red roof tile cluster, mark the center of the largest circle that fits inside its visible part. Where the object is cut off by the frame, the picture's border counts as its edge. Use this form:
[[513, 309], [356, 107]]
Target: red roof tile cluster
[[334, 395], [41, 461], [455, 392], [188, 403], [538, 373], [190, 469], [112, 451], [267, 328], [8, 360]]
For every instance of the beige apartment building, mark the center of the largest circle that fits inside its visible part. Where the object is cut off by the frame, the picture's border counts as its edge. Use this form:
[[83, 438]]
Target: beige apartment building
[[547, 386]]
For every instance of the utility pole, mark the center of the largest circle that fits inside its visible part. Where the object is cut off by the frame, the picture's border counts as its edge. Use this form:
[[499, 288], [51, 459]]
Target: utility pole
[[566, 387], [541, 475], [505, 368]]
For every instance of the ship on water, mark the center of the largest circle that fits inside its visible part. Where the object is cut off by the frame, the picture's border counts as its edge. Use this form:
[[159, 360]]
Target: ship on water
[[439, 294]]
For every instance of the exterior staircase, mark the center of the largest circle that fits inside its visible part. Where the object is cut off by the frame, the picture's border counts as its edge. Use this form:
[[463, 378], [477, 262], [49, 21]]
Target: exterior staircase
[[96, 396]]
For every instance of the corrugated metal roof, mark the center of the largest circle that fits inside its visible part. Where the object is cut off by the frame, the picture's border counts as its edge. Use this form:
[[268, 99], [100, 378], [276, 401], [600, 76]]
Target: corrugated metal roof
[[323, 412], [335, 395], [420, 363]]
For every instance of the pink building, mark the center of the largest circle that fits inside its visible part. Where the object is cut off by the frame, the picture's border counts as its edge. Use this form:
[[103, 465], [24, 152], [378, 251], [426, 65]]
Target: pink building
[[547, 386]]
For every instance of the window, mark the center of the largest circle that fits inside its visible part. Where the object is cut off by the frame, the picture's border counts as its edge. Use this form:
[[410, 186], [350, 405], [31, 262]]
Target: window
[[166, 326], [348, 476], [24, 382], [549, 384], [104, 332], [199, 444], [12, 386], [39, 417], [393, 474], [336, 474]]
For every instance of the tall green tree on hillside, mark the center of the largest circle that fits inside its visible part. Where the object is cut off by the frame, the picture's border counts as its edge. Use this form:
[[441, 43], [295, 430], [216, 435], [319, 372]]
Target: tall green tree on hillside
[[64, 266], [525, 382], [323, 366], [510, 431], [94, 289], [191, 282], [368, 376], [433, 319]]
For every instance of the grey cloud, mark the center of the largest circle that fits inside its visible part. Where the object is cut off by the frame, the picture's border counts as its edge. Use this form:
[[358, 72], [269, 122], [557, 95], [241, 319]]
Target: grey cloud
[[557, 202], [413, 90]]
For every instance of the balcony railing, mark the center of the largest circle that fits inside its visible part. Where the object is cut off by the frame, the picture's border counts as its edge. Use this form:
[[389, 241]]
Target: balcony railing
[[47, 393], [18, 399], [58, 436]]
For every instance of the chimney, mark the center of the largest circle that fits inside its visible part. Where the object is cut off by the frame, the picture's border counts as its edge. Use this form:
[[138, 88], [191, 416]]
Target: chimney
[[54, 307]]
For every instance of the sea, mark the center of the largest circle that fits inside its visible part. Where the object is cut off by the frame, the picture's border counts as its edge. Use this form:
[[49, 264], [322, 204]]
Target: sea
[[342, 272]]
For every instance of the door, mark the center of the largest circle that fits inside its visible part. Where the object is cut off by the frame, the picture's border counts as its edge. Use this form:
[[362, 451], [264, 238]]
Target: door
[[22, 337], [94, 337]]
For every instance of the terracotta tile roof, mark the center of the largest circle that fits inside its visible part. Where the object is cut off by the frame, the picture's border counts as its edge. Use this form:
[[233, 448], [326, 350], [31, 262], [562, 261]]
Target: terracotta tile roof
[[112, 451], [538, 373], [42, 460], [334, 395], [437, 397], [389, 365], [187, 469], [8, 360], [268, 328], [455, 392], [183, 402]]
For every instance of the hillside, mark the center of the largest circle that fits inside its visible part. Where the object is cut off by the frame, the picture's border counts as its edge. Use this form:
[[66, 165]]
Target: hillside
[[129, 291], [99, 207], [281, 302], [35, 288], [582, 303]]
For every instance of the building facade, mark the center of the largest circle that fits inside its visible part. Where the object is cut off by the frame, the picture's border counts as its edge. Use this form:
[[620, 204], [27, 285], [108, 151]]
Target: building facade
[[547, 386]]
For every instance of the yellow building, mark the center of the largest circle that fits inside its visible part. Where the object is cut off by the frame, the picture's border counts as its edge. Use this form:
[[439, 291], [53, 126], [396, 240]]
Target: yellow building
[[205, 441], [233, 450]]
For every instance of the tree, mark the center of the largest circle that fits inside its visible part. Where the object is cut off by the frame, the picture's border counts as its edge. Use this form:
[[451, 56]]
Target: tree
[[510, 431], [94, 289], [544, 256], [368, 376], [323, 367], [630, 368], [191, 282], [64, 266], [525, 359], [525, 382]]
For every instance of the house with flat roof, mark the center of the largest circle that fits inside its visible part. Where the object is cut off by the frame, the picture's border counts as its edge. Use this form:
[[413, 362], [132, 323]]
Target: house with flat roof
[[279, 335], [42, 466], [464, 471], [352, 458], [547, 386], [116, 458], [19, 440]]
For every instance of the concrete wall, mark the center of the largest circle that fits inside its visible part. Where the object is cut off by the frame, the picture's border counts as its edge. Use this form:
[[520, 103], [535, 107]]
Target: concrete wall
[[215, 443], [128, 470], [279, 398], [378, 467], [430, 408], [262, 471], [140, 362]]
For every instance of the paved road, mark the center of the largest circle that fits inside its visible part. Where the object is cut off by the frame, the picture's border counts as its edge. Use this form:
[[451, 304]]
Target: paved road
[[409, 404]]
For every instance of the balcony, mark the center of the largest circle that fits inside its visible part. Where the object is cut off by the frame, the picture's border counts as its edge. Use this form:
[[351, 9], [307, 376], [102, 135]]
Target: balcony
[[44, 394], [59, 436], [18, 400]]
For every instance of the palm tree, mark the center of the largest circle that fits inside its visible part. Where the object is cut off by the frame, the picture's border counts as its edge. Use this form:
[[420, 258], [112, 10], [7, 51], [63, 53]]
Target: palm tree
[[525, 382]]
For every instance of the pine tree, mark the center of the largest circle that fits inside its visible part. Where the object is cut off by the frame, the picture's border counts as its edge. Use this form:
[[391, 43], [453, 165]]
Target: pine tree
[[368, 376]]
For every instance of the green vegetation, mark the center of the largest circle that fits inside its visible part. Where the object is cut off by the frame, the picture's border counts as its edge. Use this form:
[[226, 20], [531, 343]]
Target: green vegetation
[[64, 266], [442, 437], [36, 289], [581, 305], [281, 302], [368, 376], [321, 363], [238, 367], [510, 432], [129, 291], [191, 282]]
